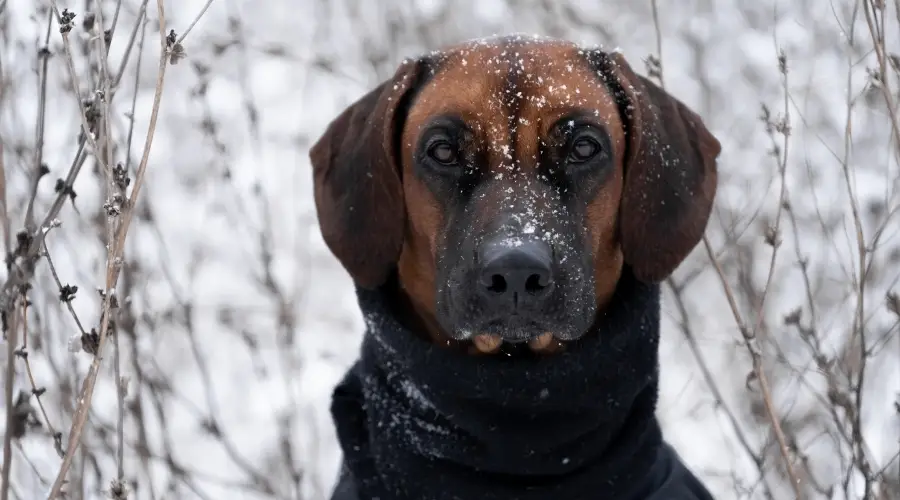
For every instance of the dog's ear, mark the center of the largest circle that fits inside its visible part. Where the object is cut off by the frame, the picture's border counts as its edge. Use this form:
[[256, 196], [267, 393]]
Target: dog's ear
[[357, 187], [670, 172]]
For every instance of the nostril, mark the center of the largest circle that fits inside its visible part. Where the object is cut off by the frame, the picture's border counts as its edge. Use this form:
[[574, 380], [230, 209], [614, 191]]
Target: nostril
[[498, 284], [536, 283]]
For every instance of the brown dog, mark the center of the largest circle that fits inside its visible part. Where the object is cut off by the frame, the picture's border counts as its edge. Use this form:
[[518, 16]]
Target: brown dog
[[508, 183], [521, 196]]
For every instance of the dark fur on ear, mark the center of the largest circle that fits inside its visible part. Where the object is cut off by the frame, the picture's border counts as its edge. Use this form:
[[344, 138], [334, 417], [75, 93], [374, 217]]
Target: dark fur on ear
[[357, 186], [670, 172]]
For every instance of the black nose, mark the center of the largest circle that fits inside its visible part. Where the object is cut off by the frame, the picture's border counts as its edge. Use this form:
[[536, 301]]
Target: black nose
[[520, 271]]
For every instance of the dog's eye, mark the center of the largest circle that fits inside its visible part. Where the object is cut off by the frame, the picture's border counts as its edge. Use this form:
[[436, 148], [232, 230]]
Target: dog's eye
[[443, 153], [583, 149]]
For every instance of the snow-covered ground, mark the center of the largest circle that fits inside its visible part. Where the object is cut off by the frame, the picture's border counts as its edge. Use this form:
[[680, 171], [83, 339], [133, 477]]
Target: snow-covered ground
[[237, 321]]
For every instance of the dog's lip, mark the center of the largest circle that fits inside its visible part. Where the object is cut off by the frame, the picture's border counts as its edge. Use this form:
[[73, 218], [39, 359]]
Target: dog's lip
[[518, 340], [523, 329]]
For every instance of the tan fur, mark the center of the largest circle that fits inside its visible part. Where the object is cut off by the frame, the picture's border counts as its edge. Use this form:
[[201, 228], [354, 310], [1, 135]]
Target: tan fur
[[555, 81], [374, 212]]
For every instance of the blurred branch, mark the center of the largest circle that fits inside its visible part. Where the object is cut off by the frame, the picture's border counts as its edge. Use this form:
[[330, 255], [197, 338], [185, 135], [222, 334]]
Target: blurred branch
[[10, 331], [709, 378], [39, 169], [116, 183], [659, 47], [115, 249], [773, 233], [21, 262], [194, 22], [4, 206], [138, 25], [66, 292], [871, 9], [87, 126], [750, 340], [36, 391]]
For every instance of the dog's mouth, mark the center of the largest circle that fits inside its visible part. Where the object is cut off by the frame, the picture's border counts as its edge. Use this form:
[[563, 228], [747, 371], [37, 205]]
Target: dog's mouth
[[542, 331], [516, 319], [512, 334], [489, 343]]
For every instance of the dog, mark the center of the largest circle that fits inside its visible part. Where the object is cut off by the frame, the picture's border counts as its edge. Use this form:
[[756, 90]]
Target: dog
[[507, 208]]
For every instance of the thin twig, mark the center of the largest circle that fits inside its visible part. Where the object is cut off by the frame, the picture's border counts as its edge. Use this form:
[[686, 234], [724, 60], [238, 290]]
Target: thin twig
[[38, 166], [659, 53], [35, 390], [22, 271], [137, 83], [76, 88], [113, 268], [749, 336], [194, 22], [774, 236], [138, 25], [62, 291], [709, 378], [758, 370], [859, 328], [111, 32], [121, 390], [11, 340], [4, 205], [116, 185], [884, 83]]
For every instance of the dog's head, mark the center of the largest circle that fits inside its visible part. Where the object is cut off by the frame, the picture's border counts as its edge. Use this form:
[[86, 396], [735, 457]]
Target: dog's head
[[509, 181]]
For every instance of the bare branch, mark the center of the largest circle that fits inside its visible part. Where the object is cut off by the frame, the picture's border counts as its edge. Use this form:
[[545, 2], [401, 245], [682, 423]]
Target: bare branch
[[116, 247]]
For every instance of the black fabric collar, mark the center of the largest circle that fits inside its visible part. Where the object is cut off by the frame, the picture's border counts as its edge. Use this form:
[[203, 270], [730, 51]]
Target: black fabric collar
[[420, 422]]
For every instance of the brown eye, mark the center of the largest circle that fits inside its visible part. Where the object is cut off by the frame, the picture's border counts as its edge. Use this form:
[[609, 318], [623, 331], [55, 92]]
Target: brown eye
[[443, 153], [583, 149]]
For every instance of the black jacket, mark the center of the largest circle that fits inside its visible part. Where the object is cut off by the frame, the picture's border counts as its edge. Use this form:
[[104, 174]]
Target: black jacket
[[419, 422]]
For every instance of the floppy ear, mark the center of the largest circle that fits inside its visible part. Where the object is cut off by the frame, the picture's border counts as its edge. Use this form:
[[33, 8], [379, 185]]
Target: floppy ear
[[357, 187], [670, 173]]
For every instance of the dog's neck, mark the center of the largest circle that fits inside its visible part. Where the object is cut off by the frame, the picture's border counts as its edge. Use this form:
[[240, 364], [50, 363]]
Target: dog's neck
[[416, 318], [420, 421]]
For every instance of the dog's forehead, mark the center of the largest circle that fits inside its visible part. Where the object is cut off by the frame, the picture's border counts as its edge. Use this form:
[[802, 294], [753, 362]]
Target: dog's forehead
[[518, 54], [523, 79]]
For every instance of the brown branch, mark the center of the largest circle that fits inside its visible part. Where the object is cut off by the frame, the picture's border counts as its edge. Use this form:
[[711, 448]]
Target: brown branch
[[141, 22], [116, 247], [22, 266], [66, 294], [76, 89], [11, 339], [38, 166], [750, 340], [709, 378], [4, 204], [35, 390], [184, 35], [870, 8], [659, 54], [773, 237]]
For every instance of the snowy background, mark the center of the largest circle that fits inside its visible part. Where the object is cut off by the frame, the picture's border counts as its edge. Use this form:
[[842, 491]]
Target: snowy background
[[236, 322]]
